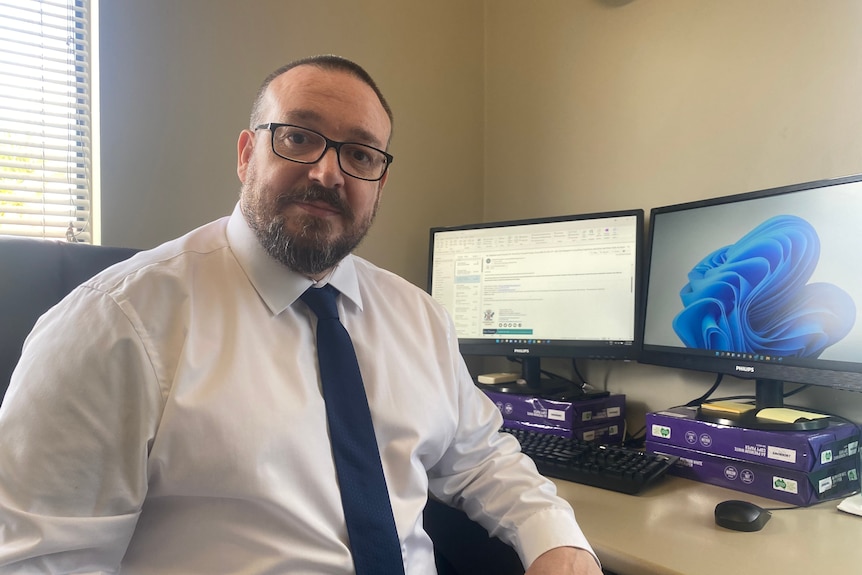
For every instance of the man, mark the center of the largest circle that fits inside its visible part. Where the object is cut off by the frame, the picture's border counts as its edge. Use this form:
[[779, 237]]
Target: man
[[180, 427]]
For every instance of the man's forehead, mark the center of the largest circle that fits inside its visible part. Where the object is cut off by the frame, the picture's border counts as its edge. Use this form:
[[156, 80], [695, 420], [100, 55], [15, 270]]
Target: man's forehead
[[316, 95]]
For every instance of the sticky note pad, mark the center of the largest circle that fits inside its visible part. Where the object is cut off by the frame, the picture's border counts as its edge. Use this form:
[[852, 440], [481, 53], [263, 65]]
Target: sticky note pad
[[729, 407], [787, 415]]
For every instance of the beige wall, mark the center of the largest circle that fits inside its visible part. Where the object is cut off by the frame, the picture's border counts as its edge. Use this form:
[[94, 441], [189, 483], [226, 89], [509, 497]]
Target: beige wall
[[646, 103], [504, 109], [178, 78]]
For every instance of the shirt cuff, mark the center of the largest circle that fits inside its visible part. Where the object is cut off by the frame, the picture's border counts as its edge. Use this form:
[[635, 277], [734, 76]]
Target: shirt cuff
[[549, 529]]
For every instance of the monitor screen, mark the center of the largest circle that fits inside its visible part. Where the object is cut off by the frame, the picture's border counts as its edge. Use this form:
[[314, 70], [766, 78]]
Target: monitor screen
[[552, 287], [764, 285]]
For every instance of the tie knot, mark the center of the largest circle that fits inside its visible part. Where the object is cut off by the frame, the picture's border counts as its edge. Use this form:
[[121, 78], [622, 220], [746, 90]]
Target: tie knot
[[321, 301]]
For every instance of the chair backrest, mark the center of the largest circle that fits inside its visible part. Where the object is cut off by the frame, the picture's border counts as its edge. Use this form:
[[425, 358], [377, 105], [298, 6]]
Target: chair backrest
[[34, 275], [463, 547]]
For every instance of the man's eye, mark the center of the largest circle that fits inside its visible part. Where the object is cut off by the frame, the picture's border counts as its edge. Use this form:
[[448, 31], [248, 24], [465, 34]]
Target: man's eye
[[296, 138], [360, 156]]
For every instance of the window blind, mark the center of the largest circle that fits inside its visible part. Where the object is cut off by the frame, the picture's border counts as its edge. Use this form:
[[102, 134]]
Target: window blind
[[45, 123]]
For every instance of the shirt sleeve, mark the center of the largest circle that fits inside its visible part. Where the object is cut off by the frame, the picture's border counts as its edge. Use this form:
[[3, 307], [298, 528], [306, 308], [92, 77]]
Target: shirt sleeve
[[81, 410], [484, 473]]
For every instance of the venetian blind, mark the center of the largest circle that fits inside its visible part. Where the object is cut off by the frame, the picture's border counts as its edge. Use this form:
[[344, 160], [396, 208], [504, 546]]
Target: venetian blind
[[45, 124]]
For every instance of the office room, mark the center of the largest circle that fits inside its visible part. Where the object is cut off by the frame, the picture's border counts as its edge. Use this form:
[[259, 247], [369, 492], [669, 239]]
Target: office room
[[503, 110], [614, 105]]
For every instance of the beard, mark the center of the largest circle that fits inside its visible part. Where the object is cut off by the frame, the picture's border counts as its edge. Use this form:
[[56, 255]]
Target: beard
[[310, 249]]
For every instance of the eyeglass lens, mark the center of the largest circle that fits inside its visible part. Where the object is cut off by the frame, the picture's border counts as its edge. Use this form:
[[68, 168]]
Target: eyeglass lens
[[301, 145]]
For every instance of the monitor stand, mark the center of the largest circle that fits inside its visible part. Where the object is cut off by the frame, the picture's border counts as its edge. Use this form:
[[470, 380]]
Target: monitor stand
[[532, 383], [769, 394]]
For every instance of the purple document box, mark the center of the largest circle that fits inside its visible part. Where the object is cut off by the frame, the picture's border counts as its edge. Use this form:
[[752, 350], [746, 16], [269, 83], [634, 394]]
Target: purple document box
[[780, 483], [800, 450], [608, 432], [566, 415]]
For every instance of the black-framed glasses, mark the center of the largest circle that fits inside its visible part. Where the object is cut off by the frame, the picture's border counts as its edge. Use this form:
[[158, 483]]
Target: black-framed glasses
[[305, 146]]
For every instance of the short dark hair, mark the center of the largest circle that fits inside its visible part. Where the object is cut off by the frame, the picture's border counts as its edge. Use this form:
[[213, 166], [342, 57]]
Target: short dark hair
[[324, 62]]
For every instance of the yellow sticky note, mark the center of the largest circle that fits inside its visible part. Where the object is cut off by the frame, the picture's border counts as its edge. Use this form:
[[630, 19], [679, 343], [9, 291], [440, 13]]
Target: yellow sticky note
[[731, 407], [787, 415]]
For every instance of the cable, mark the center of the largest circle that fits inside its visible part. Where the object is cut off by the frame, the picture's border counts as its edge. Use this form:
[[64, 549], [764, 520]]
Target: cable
[[698, 401], [797, 390], [748, 396], [635, 439], [578, 373]]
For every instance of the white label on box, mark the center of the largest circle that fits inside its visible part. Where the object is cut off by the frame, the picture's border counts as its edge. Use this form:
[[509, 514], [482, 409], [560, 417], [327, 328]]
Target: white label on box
[[784, 484], [589, 435], [557, 414], [662, 431], [824, 485], [826, 457], [781, 454], [613, 412]]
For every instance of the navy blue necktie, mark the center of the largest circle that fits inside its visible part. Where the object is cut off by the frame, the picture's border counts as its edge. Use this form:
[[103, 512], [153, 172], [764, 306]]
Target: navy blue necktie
[[374, 540]]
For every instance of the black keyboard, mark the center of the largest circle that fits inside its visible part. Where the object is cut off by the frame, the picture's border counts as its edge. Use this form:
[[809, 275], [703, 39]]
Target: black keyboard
[[614, 467]]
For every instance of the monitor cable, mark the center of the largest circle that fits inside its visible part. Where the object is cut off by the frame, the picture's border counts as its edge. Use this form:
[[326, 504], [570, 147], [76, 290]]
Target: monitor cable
[[699, 401]]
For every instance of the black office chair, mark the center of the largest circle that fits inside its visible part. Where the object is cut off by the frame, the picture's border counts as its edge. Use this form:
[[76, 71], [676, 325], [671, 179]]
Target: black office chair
[[34, 275], [463, 547]]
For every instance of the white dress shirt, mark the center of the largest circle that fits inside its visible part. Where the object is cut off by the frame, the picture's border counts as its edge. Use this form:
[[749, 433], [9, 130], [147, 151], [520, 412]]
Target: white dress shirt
[[166, 417]]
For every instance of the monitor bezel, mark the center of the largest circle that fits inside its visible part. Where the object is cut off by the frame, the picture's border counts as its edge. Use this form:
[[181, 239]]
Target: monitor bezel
[[821, 372]]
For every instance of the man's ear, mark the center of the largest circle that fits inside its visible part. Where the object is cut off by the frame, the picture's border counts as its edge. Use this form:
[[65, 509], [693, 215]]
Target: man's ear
[[244, 151], [382, 182]]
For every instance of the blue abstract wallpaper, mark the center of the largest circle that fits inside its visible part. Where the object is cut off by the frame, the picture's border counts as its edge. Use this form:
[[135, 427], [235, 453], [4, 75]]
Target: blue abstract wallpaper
[[754, 296]]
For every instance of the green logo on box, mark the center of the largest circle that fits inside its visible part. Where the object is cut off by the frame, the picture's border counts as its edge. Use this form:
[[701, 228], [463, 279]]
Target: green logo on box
[[662, 431]]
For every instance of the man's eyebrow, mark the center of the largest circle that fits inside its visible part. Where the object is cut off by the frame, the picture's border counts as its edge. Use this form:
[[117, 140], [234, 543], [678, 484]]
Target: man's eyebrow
[[301, 115], [356, 133]]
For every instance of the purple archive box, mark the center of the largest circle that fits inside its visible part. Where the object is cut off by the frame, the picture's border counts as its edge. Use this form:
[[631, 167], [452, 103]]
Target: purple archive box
[[779, 483], [800, 450], [558, 414], [608, 432]]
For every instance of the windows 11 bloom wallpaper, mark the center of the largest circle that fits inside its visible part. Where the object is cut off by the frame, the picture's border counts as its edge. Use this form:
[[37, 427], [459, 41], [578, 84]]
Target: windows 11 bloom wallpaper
[[754, 296]]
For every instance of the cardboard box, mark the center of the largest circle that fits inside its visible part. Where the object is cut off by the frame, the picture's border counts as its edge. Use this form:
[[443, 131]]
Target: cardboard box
[[799, 450], [565, 415], [779, 483], [609, 432]]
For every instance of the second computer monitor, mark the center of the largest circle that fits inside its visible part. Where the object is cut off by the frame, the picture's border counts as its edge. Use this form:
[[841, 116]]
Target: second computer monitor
[[762, 285], [548, 287]]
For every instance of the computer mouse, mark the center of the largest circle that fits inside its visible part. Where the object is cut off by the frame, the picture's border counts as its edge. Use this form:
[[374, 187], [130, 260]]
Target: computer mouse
[[741, 515]]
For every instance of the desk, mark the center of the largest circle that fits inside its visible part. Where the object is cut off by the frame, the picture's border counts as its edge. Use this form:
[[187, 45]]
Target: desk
[[669, 529]]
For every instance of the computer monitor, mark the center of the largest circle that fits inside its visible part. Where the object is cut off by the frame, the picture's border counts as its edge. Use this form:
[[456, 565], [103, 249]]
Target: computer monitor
[[763, 285], [566, 287]]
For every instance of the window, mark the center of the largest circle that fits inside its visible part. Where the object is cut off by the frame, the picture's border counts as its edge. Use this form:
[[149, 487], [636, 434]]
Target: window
[[45, 121]]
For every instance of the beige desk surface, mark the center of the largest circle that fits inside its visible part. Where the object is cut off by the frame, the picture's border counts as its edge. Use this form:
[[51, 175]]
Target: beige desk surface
[[670, 529]]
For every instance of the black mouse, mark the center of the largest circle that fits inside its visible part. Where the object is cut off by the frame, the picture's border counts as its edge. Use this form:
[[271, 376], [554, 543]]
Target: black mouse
[[741, 515]]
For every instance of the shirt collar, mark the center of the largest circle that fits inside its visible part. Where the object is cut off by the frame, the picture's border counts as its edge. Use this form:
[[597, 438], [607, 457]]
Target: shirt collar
[[277, 285]]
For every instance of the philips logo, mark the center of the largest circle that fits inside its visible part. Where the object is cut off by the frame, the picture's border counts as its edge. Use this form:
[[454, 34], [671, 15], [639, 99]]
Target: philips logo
[[521, 350], [745, 368]]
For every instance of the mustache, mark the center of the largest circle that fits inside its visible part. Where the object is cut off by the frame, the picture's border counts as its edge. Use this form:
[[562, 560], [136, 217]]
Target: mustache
[[315, 193]]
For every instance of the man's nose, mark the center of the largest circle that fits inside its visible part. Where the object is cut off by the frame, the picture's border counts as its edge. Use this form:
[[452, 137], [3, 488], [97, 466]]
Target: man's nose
[[327, 170]]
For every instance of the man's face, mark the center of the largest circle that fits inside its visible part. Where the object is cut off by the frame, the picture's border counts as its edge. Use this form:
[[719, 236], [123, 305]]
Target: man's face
[[310, 216]]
